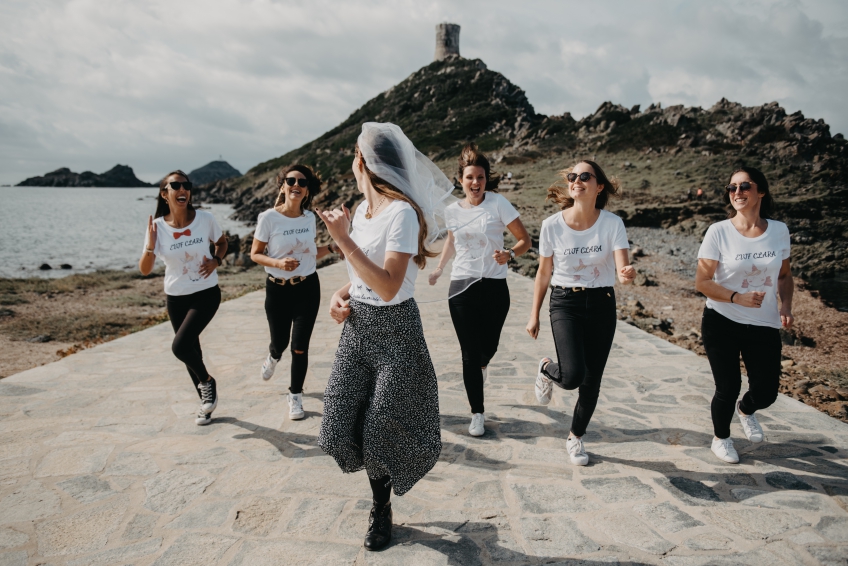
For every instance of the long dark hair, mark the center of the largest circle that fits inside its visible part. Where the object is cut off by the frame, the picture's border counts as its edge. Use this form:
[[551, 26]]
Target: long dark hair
[[388, 190], [471, 157], [762, 186], [559, 193], [313, 184], [162, 207]]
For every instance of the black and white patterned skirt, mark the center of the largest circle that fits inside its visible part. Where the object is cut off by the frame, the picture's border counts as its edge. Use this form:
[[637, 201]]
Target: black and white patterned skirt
[[381, 406]]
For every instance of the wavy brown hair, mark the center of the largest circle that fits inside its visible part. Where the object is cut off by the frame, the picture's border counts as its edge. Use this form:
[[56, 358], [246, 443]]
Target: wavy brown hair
[[762, 186], [162, 208], [313, 184], [388, 190], [471, 157], [559, 193]]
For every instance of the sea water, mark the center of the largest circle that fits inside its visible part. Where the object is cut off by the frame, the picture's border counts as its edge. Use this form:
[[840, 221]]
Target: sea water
[[87, 228]]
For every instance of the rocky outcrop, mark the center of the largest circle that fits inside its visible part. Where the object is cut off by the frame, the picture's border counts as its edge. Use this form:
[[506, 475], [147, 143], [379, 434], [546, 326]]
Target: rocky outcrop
[[118, 176], [213, 171]]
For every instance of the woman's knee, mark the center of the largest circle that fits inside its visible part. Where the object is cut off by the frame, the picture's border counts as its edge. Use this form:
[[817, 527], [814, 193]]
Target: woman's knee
[[180, 347]]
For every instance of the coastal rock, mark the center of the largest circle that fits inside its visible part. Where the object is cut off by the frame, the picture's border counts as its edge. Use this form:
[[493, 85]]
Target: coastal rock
[[117, 176], [213, 171]]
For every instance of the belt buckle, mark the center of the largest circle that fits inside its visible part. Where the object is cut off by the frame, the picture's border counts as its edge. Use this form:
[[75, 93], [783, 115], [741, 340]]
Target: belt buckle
[[299, 279], [578, 289]]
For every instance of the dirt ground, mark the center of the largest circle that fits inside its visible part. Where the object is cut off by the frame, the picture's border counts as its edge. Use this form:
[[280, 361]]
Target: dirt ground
[[44, 320]]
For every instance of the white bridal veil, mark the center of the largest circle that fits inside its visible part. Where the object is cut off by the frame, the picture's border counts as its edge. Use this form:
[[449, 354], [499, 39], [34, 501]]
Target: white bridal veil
[[390, 155]]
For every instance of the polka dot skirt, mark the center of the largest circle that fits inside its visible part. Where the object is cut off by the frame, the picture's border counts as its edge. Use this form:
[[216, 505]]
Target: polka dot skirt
[[381, 406]]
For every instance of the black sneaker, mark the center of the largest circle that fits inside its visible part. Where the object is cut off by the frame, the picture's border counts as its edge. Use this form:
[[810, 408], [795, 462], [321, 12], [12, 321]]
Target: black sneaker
[[202, 418], [379, 533], [208, 395]]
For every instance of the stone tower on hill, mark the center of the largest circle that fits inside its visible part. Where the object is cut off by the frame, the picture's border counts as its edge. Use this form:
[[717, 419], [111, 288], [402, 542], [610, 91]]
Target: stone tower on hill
[[447, 41]]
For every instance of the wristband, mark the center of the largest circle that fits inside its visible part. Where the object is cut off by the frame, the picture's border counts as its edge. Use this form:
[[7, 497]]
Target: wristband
[[217, 260], [511, 253], [733, 295], [148, 250]]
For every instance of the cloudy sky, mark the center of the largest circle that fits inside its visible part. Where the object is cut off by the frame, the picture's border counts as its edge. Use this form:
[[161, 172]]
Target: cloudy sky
[[165, 84]]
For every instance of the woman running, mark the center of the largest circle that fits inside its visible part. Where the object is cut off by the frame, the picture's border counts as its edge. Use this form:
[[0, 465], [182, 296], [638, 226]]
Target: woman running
[[284, 243], [381, 406], [581, 249], [182, 237], [743, 265], [479, 296]]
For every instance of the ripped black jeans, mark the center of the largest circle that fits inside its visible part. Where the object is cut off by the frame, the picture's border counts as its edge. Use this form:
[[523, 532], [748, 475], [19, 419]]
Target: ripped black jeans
[[583, 323]]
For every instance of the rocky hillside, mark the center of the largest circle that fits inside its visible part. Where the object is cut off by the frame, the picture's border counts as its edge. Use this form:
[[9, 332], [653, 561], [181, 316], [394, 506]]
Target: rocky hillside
[[661, 155], [213, 171], [117, 176]]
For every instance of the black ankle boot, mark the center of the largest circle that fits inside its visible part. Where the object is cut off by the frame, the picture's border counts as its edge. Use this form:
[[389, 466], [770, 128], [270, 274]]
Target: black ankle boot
[[379, 527]]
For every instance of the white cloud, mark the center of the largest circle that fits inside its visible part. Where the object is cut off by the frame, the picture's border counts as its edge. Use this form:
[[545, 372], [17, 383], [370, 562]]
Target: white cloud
[[164, 84]]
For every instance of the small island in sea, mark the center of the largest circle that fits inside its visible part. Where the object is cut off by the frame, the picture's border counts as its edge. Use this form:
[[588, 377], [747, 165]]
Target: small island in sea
[[118, 176]]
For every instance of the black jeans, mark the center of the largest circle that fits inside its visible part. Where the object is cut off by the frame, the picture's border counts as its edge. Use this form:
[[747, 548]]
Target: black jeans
[[760, 346], [583, 323], [478, 315], [291, 311], [189, 315]]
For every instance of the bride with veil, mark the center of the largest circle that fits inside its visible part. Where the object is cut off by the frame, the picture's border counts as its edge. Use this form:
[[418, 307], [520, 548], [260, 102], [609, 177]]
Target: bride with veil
[[381, 405]]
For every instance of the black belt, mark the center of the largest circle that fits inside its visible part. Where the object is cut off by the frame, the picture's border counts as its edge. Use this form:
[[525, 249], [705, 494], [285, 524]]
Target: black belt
[[293, 281], [579, 289]]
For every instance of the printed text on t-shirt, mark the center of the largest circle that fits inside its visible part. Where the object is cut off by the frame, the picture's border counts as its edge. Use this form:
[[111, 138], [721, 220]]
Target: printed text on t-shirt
[[583, 250], [755, 255]]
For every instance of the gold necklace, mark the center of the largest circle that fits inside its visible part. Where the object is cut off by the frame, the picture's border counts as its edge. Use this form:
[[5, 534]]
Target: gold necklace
[[376, 208]]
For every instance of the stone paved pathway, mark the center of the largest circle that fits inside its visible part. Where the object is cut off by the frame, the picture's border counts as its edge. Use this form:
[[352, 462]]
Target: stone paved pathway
[[101, 462]]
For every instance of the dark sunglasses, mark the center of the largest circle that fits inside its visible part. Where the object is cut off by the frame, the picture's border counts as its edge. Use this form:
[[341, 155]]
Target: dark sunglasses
[[177, 185], [584, 176], [290, 181], [744, 187]]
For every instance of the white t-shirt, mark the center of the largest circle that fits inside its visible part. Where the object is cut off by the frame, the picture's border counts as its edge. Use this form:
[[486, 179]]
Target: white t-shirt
[[747, 264], [288, 237], [393, 230], [477, 232], [583, 258], [182, 250]]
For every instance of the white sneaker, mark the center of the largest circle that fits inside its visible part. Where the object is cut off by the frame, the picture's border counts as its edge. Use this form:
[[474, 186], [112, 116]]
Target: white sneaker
[[296, 406], [202, 417], [476, 427], [268, 367], [724, 450], [485, 374], [544, 386], [751, 426], [576, 450]]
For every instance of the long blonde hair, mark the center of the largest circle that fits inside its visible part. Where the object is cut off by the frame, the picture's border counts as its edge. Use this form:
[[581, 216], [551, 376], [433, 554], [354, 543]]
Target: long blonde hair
[[388, 190]]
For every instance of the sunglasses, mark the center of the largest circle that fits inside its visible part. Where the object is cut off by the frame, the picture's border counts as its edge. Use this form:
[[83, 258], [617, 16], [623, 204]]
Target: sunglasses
[[290, 181], [177, 185], [744, 187], [584, 176]]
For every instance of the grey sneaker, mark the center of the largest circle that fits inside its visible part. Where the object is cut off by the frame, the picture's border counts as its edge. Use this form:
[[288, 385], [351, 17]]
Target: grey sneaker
[[724, 450], [476, 427], [268, 367], [576, 450], [296, 406], [544, 386], [752, 428]]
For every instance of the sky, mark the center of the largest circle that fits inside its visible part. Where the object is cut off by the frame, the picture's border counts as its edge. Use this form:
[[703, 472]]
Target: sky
[[173, 84]]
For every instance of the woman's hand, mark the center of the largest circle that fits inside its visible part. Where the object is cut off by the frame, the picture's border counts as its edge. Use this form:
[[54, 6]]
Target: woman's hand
[[207, 267], [151, 234], [786, 318], [627, 274], [337, 222], [533, 327], [339, 308], [435, 275], [287, 264], [752, 300], [501, 256]]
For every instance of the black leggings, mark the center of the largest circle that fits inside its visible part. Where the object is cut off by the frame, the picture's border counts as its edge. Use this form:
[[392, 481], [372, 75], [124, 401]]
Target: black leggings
[[291, 311], [189, 315], [724, 341], [478, 315], [583, 323]]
